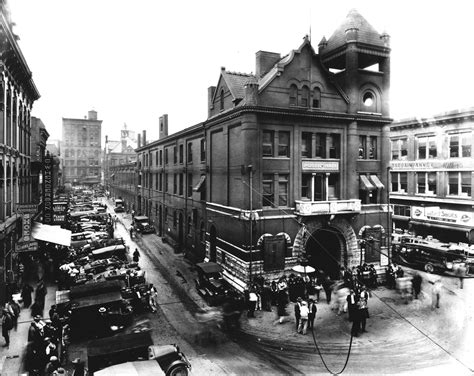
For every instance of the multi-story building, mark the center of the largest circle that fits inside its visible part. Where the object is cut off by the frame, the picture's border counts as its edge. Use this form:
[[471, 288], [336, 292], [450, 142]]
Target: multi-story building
[[81, 145], [432, 170], [289, 165], [17, 95]]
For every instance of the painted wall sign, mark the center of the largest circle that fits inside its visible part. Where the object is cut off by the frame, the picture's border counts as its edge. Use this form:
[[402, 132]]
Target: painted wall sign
[[320, 166]]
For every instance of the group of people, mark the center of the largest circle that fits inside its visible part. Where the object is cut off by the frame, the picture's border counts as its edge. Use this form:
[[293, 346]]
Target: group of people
[[305, 314]]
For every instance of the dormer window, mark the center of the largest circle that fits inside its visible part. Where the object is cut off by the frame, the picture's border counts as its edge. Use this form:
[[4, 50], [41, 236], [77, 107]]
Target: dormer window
[[293, 95], [222, 100], [305, 96]]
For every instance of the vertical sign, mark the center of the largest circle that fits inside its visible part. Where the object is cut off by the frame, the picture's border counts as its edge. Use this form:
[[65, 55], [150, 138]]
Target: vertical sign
[[48, 190]]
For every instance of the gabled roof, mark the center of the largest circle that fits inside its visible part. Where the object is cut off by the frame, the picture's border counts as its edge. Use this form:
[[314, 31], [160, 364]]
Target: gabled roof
[[366, 32], [235, 81]]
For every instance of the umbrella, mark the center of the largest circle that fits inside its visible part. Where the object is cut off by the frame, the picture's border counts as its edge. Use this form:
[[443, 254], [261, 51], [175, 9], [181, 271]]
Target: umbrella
[[303, 269]]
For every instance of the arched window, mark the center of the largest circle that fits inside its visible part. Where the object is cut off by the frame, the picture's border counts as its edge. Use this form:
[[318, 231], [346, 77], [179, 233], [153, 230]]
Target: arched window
[[316, 97], [369, 101], [305, 96], [222, 99], [293, 95]]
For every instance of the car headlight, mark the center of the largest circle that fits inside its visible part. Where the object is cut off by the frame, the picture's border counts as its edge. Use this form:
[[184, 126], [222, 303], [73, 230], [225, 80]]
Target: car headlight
[[449, 265]]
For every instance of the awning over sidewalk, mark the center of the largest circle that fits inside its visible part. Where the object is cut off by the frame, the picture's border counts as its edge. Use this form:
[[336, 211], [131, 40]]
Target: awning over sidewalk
[[51, 234], [365, 184], [200, 185]]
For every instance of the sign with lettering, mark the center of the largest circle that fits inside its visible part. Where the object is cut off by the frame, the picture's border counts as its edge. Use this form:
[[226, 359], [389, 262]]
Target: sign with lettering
[[27, 208], [319, 166], [26, 246], [48, 190], [432, 164], [436, 214]]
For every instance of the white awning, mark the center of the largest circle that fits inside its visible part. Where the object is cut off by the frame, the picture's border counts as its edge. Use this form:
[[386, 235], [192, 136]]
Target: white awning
[[51, 234], [365, 184], [375, 179], [200, 185]]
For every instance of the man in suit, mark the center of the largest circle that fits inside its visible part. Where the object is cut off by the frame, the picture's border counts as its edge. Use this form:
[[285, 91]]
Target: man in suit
[[312, 313], [298, 311]]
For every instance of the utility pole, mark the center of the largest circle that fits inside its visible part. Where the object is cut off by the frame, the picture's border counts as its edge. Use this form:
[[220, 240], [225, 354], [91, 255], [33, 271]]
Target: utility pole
[[249, 169], [389, 217]]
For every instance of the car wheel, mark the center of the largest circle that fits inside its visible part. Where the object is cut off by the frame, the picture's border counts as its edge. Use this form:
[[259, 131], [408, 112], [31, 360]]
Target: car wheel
[[177, 370], [429, 268]]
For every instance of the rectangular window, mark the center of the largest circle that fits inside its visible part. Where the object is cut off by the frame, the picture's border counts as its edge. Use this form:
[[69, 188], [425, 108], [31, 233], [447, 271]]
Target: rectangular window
[[431, 183], [181, 154], [157, 185], [267, 186], [403, 182], [432, 148], [156, 158], [166, 183], [283, 144], [283, 190], [333, 186], [306, 140], [454, 146], [466, 141], [181, 184], [320, 145], [166, 156], [404, 149], [160, 182], [267, 144], [175, 183], [453, 181], [175, 155], [203, 150], [422, 147], [421, 183], [190, 185], [190, 152], [362, 147], [306, 186], [372, 147], [334, 145], [466, 181], [160, 160], [399, 182]]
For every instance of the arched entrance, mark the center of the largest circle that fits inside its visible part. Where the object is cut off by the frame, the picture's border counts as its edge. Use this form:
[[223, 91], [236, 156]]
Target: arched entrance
[[324, 250], [212, 244]]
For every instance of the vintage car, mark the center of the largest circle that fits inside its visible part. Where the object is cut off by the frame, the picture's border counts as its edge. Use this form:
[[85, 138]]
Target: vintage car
[[133, 354], [210, 282], [119, 206], [142, 225]]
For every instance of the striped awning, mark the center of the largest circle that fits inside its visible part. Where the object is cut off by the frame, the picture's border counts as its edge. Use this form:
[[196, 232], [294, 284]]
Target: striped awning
[[376, 181], [365, 184]]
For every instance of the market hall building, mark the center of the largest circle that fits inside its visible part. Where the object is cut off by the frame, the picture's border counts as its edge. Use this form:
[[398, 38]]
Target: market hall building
[[432, 175], [291, 162]]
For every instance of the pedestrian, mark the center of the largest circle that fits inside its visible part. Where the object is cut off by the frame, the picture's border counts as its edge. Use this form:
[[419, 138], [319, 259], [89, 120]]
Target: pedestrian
[[416, 284], [363, 308], [26, 291], [14, 310], [342, 293], [317, 288], [51, 366], [40, 294], [327, 286], [131, 232], [252, 303], [298, 312], [303, 322], [153, 293], [436, 293], [312, 313], [282, 301], [461, 272], [267, 297], [7, 325], [136, 255]]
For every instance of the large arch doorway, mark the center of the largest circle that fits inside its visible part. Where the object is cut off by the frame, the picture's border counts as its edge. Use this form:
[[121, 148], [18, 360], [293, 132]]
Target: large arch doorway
[[324, 250], [212, 244]]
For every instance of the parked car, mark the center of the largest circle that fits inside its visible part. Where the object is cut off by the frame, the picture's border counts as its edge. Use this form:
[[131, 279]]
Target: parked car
[[119, 206], [142, 224]]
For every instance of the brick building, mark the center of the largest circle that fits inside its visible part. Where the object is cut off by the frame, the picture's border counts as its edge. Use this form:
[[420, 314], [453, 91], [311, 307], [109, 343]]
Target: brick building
[[290, 163], [17, 95], [432, 175], [81, 145]]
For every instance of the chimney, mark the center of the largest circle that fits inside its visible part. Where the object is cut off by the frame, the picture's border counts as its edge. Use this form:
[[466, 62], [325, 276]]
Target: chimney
[[264, 62], [92, 115], [210, 94], [144, 138], [139, 140], [163, 126], [251, 92]]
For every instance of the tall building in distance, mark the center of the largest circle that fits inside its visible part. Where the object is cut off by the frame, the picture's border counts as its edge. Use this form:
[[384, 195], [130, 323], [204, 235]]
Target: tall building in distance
[[81, 147]]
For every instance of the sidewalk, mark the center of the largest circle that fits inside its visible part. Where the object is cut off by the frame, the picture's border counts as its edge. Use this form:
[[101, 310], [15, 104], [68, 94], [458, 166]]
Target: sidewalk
[[12, 360]]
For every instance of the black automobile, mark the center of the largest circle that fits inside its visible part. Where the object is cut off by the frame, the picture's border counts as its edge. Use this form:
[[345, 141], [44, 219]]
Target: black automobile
[[142, 225], [210, 283]]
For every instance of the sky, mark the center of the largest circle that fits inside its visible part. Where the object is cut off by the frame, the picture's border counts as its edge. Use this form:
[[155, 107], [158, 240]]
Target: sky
[[133, 61]]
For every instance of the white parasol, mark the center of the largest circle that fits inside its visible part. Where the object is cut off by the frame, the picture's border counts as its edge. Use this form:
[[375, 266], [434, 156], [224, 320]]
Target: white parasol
[[303, 269]]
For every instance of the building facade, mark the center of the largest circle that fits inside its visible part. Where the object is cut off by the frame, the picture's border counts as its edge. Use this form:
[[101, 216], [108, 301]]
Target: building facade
[[81, 145], [432, 170], [17, 95], [289, 166]]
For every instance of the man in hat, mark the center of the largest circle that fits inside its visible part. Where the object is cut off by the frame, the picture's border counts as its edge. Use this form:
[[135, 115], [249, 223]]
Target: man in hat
[[304, 312], [298, 311], [7, 325]]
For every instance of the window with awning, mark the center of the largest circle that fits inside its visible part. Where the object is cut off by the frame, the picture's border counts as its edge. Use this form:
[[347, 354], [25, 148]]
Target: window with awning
[[365, 184], [200, 185], [376, 181]]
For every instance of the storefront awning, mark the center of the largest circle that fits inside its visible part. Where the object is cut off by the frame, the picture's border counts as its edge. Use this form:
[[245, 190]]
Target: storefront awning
[[51, 234], [451, 227], [200, 185], [365, 184], [375, 179]]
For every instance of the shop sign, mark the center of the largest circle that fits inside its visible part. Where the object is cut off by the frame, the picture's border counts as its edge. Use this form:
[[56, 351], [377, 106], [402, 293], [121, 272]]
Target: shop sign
[[320, 166], [29, 246], [436, 214], [48, 190], [432, 165], [27, 208]]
